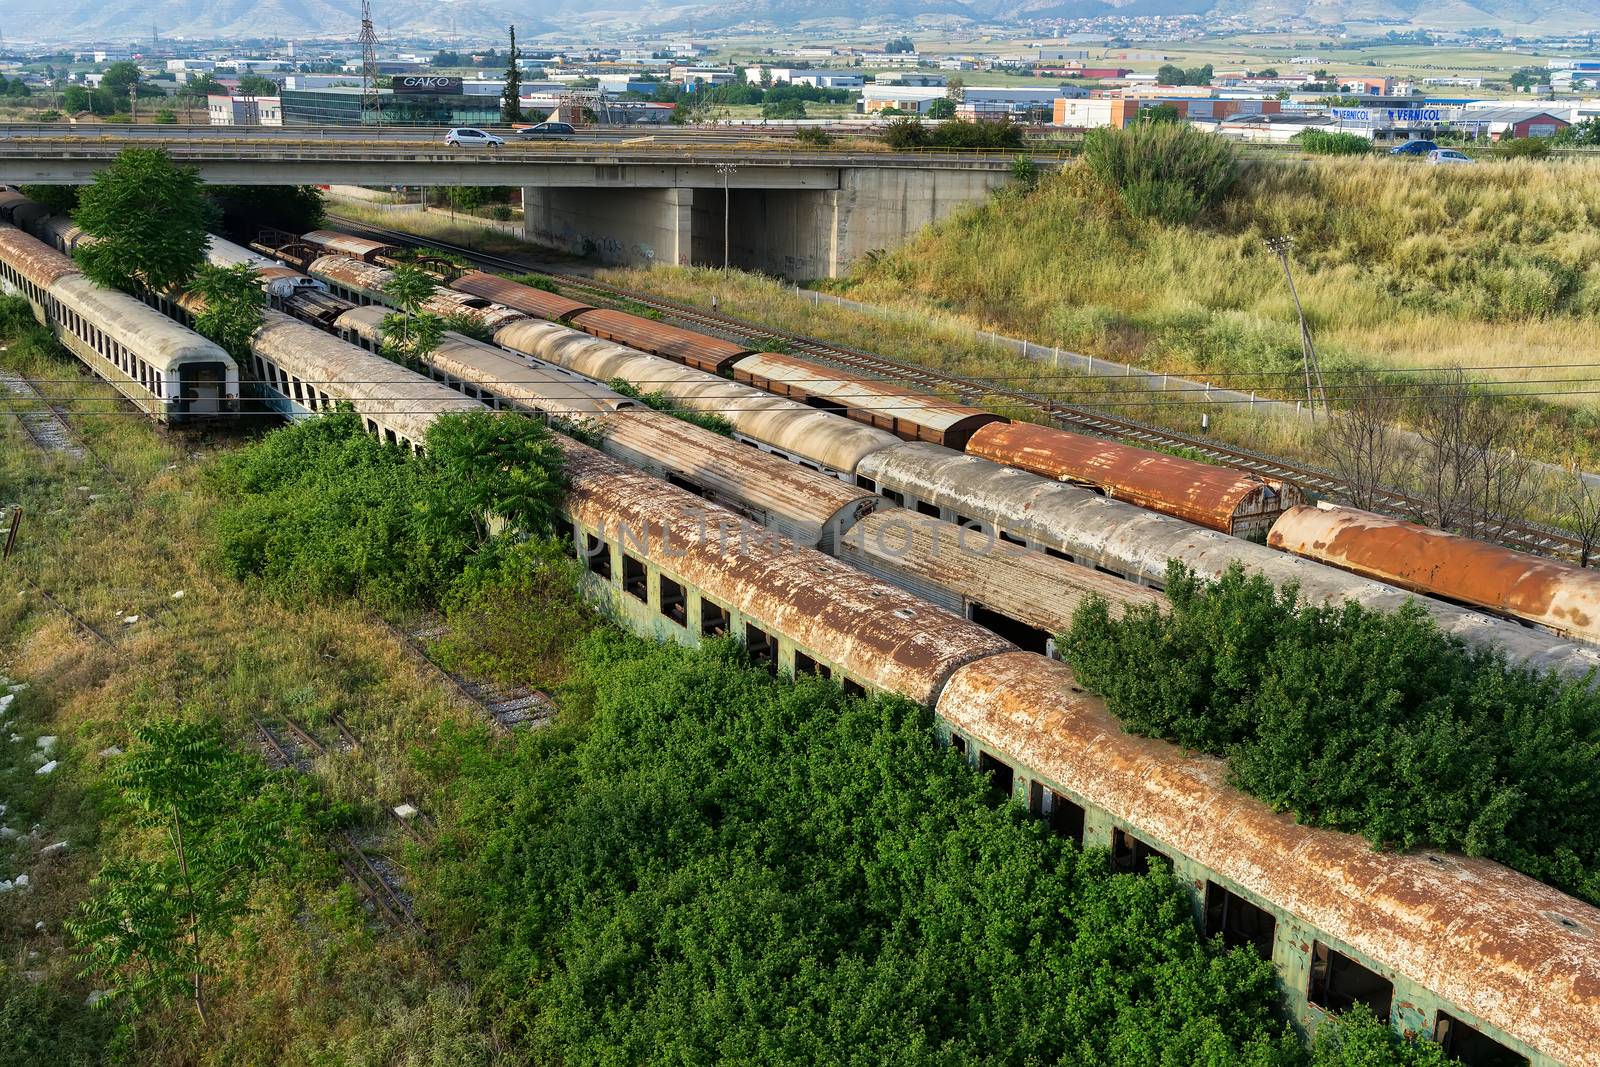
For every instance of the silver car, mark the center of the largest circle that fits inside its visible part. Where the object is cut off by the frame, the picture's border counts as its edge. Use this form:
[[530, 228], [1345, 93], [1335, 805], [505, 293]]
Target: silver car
[[1449, 155], [470, 137]]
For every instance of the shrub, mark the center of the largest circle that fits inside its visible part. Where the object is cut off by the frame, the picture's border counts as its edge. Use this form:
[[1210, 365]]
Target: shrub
[[1325, 143], [715, 865], [322, 508], [1165, 171], [660, 401], [1364, 721], [1524, 148], [812, 137], [906, 132], [536, 281]]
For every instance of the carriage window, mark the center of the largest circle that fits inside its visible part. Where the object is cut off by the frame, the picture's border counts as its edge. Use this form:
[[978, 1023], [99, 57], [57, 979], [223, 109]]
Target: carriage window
[[1011, 538], [1028, 638], [763, 650], [1238, 921], [1337, 982], [804, 664], [635, 578], [1001, 777], [674, 603], [863, 482], [925, 508], [597, 556], [1129, 855], [1064, 818], [1472, 1046], [713, 618], [853, 688], [958, 743], [898, 499], [1058, 554]]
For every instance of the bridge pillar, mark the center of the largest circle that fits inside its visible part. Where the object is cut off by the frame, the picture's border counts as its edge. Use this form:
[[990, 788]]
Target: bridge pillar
[[619, 226]]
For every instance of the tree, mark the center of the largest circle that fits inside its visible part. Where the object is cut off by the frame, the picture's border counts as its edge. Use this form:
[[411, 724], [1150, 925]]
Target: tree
[[942, 108], [1578, 508], [1471, 478], [118, 78], [784, 109], [1165, 170], [18, 90], [511, 96], [256, 85], [902, 45], [149, 219], [1365, 445], [76, 99], [1159, 113], [60, 199], [234, 303], [1170, 74], [506, 467], [249, 209], [412, 333], [222, 822]]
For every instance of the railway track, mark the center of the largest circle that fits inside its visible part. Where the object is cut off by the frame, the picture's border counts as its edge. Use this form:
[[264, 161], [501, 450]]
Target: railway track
[[1524, 536], [376, 880], [503, 707], [46, 427]]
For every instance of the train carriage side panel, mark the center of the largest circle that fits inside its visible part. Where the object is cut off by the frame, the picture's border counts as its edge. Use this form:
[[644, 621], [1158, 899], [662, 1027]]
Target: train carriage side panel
[[523, 298], [697, 350]]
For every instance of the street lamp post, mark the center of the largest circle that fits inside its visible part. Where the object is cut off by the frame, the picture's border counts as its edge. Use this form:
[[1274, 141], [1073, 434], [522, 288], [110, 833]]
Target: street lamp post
[[725, 169]]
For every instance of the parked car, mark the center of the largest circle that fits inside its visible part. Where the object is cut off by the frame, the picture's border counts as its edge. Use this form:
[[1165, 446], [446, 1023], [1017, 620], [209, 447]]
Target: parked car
[[1413, 147], [1449, 155], [468, 137], [550, 131]]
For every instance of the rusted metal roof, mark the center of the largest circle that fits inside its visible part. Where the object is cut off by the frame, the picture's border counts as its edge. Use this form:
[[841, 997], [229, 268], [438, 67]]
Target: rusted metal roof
[[904, 412], [392, 396], [812, 436], [1476, 934], [1138, 543], [524, 298], [1022, 583], [449, 303], [803, 505], [34, 259], [1557, 595], [1197, 492], [839, 615], [351, 273], [684, 346], [345, 245]]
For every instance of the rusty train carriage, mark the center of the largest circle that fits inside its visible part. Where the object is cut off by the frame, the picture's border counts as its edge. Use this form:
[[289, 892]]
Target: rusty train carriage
[[1557, 596], [1429, 940], [30, 267], [697, 350], [789, 430], [904, 412], [1119, 539], [333, 242], [1217, 497], [523, 298]]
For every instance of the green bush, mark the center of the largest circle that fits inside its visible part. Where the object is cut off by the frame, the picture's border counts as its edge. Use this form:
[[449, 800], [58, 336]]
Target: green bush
[[321, 508], [1165, 171], [1523, 148], [1325, 143], [1364, 721], [660, 401], [906, 132], [536, 281], [812, 137], [718, 866]]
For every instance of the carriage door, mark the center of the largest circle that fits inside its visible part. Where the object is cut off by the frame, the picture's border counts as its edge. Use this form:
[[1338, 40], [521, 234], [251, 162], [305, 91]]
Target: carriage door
[[201, 386]]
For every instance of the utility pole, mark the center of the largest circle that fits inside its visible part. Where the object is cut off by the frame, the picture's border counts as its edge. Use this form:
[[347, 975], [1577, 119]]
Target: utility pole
[[1308, 351], [371, 102], [725, 169], [133, 103]]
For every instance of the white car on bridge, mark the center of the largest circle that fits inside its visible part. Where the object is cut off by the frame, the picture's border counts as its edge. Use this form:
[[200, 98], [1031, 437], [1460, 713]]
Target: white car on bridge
[[467, 136]]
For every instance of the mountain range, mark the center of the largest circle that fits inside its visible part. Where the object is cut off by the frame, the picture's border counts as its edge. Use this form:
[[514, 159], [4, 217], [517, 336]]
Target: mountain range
[[477, 20]]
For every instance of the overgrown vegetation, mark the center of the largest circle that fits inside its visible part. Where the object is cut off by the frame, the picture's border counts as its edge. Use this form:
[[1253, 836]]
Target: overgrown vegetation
[[952, 133], [322, 509], [660, 401], [235, 303], [1169, 172], [149, 220], [1327, 143], [1373, 723]]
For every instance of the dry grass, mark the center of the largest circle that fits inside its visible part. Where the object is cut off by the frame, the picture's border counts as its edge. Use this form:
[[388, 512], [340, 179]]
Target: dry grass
[[306, 978], [429, 225]]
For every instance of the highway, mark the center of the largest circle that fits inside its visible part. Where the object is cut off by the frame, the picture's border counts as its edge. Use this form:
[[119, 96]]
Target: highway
[[664, 134]]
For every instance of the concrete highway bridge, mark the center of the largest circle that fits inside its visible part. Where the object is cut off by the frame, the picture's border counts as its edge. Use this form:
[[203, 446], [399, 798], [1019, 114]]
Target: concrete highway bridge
[[786, 209]]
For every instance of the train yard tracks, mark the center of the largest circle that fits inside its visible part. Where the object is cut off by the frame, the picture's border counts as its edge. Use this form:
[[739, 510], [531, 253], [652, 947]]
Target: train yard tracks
[[44, 425], [1524, 536], [503, 707]]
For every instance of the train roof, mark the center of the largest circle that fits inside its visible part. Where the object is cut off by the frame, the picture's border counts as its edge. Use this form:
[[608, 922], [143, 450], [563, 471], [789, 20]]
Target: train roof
[[1558, 595], [1084, 523], [346, 245], [1196, 492], [523, 298], [36, 260], [350, 273], [658, 338], [838, 614], [221, 252], [913, 415], [60, 231], [1517, 954], [813, 436], [803, 505], [398, 399], [160, 342], [1021, 583]]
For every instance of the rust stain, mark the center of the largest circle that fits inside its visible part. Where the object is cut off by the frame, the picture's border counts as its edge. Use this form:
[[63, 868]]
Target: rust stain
[[1563, 597], [346, 245], [1478, 935], [34, 259], [1211, 496]]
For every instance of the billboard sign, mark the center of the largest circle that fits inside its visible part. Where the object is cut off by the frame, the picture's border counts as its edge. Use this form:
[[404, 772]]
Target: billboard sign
[[425, 85]]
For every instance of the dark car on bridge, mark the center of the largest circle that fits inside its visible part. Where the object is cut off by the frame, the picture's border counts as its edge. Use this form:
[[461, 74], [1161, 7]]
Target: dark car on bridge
[[1414, 147], [548, 131]]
